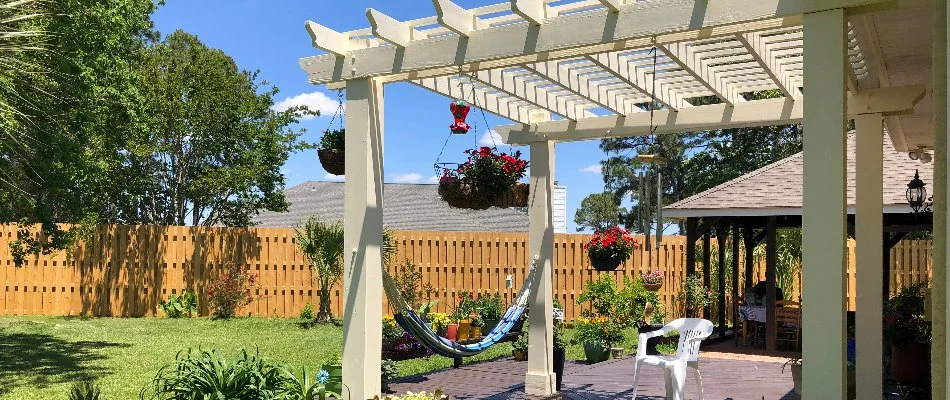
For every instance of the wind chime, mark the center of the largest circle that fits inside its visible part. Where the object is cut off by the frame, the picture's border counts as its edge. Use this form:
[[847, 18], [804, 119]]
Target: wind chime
[[645, 190]]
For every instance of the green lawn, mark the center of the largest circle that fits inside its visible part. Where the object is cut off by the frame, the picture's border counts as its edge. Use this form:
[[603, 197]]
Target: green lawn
[[41, 356]]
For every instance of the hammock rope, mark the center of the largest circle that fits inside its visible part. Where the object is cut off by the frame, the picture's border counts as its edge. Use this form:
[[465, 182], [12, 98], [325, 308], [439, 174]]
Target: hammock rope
[[407, 318]]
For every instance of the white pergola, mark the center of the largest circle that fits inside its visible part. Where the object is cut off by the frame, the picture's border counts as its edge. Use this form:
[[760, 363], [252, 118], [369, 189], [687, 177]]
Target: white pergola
[[581, 70]]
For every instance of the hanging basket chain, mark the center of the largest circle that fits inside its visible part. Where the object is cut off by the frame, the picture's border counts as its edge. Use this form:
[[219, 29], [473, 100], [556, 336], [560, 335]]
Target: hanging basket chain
[[340, 112]]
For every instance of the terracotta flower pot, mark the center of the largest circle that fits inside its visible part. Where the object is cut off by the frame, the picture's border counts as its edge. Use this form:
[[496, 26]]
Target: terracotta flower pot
[[452, 331], [465, 329]]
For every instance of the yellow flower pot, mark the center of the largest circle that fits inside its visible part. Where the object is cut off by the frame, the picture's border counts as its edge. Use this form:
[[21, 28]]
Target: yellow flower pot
[[465, 328], [476, 332]]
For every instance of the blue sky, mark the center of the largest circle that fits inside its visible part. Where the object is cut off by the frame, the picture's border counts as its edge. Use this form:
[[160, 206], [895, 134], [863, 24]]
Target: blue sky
[[269, 36]]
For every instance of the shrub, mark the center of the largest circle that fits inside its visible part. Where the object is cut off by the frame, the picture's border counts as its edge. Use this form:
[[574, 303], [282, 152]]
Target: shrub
[[694, 295], [464, 306], [391, 330], [623, 307], [409, 282], [598, 332], [230, 291], [307, 312], [389, 371], [904, 321], [198, 374], [305, 386], [522, 343], [184, 304], [334, 139], [437, 395], [85, 390]]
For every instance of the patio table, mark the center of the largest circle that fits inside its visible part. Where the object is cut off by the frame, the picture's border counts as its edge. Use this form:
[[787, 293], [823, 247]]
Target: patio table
[[752, 313]]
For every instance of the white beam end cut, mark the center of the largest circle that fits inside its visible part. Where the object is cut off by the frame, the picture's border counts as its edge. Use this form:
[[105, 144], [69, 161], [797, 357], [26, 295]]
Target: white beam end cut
[[389, 29], [328, 39], [457, 19], [531, 10], [612, 5]]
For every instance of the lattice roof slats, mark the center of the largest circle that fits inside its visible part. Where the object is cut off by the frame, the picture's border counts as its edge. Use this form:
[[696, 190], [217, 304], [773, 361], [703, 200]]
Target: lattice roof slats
[[587, 73]]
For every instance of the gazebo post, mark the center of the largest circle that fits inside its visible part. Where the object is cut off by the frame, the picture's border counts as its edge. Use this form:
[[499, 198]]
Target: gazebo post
[[748, 237], [869, 182], [941, 341], [824, 205], [363, 239], [722, 232], [691, 246], [771, 252], [539, 380], [735, 275], [707, 261]]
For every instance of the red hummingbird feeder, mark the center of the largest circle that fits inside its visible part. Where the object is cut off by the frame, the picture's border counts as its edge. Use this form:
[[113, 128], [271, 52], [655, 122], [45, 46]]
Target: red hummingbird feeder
[[460, 110]]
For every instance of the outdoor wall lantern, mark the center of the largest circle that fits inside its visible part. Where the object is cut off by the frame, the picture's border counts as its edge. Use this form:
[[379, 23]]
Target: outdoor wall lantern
[[916, 193]]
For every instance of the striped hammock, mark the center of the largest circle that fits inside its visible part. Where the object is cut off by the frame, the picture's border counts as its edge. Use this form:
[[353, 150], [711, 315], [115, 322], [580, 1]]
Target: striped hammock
[[411, 322]]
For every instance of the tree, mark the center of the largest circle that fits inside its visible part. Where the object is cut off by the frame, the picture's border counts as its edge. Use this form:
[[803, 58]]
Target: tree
[[598, 212], [697, 161], [70, 102], [212, 146]]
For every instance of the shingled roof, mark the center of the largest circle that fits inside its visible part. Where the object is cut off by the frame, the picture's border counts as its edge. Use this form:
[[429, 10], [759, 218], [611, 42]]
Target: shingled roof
[[405, 207], [776, 189]]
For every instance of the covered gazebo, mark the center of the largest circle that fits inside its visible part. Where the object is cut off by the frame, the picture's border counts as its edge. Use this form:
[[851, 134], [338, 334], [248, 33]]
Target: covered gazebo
[[753, 206], [582, 70]]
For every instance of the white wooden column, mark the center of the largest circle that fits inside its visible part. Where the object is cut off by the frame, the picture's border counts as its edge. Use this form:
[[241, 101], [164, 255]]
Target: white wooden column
[[940, 379], [539, 381], [869, 223], [363, 240], [823, 220]]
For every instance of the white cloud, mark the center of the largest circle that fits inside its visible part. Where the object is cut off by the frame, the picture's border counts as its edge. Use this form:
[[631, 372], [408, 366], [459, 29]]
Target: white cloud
[[433, 179], [315, 101], [593, 169], [491, 138], [408, 178], [334, 178]]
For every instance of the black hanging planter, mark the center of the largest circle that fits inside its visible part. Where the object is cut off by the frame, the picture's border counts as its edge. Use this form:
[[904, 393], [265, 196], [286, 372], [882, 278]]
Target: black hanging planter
[[604, 264], [333, 160]]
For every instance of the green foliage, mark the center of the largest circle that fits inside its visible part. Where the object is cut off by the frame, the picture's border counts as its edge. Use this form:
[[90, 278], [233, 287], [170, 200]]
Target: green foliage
[[904, 320], [85, 390], [184, 304], [788, 259], [437, 395], [464, 306], [693, 295], [322, 243], [623, 307], [426, 308], [230, 290], [389, 370], [521, 344], [306, 313], [598, 212], [333, 139], [301, 387], [202, 374], [598, 332], [490, 307], [409, 282], [391, 330], [491, 173]]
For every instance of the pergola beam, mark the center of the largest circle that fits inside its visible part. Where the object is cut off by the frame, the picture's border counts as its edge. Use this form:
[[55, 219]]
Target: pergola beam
[[490, 102], [634, 26], [519, 86], [784, 111], [682, 55], [574, 81], [760, 51], [456, 18], [637, 78]]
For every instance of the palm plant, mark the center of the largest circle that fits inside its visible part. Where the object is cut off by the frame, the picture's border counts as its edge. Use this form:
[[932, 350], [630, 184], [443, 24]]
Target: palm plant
[[85, 390], [21, 34], [322, 242]]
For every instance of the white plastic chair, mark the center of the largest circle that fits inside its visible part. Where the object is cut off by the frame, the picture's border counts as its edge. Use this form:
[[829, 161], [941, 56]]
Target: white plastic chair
[[692, 331]]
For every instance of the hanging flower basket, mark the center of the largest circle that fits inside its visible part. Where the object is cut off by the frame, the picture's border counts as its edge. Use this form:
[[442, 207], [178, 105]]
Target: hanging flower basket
[[652, 287], [653, 280], [604, 264], [332, 156], [487, 179], [333, 160], [607, 250]]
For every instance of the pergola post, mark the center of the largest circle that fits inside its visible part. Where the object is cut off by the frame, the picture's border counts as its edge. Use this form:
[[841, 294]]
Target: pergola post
[[941, 341], [824, 205], [869, 218], [539, 381], [363, 240]]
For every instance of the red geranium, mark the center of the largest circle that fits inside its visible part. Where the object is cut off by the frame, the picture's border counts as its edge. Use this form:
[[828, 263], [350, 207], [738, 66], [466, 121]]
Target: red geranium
[[615, 243], [489, 171]]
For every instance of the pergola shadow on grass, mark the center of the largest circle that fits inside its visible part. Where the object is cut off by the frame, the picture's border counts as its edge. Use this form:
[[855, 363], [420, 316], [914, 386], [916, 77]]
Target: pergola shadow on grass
[[42, 360]]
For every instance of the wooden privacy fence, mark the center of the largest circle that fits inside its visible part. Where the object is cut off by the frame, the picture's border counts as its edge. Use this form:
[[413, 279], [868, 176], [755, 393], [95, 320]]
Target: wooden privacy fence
[[128, 270]]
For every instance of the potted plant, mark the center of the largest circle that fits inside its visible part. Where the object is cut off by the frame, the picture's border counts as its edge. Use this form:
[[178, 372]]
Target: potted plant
[[560, 350], [653, 280], [477, 324], [608, 249], [464, 307], [795, 365], [491, 309], [439, 321], [693, 296], [909, 334], [452, 330], [334, 369], [598, 336], [389, 371], [330, 151], [484, 180], [519, 349]]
